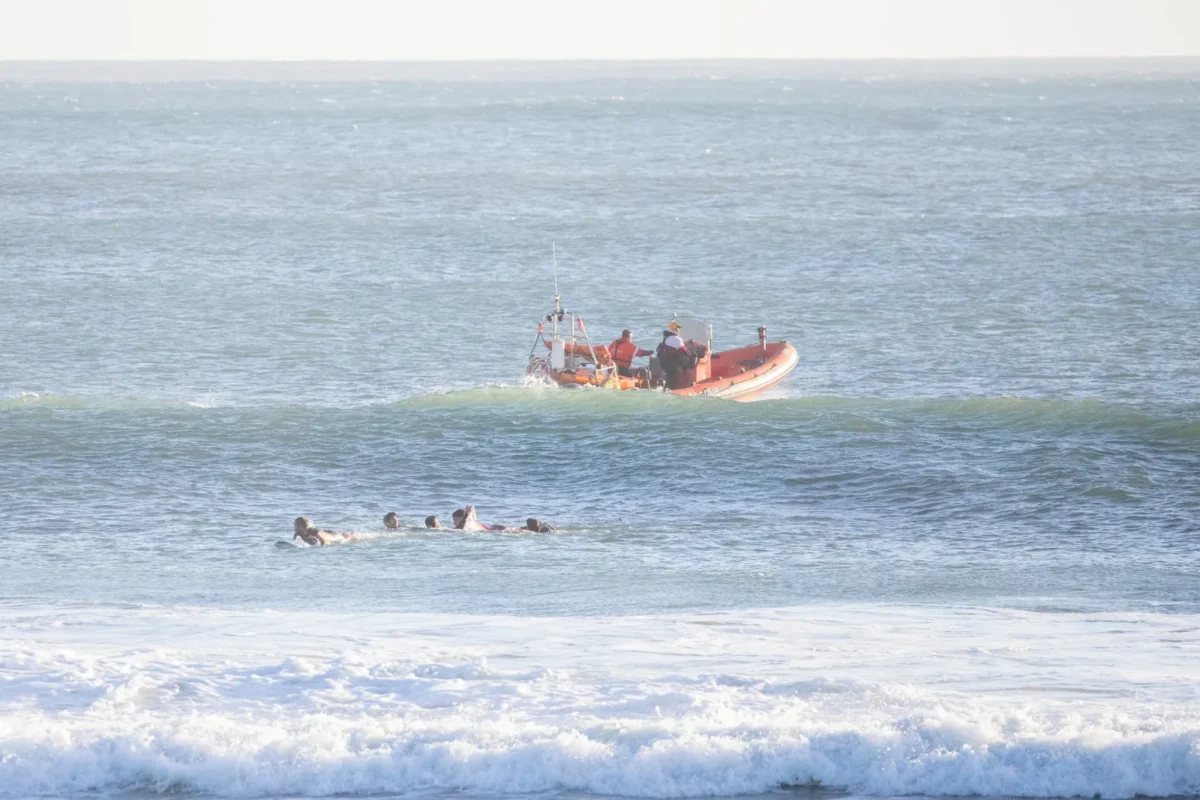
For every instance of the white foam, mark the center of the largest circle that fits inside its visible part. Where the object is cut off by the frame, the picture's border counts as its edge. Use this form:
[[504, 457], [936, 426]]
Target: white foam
[[250, 704]]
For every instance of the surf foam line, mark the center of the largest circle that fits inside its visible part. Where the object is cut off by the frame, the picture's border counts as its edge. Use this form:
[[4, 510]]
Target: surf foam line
[[160, 722]]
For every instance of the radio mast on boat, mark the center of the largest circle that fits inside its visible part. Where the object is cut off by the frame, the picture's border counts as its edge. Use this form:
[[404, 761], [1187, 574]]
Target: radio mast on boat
[[557, 304]]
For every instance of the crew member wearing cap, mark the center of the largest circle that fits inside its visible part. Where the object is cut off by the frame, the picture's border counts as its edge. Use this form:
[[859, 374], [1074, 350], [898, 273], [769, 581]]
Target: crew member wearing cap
[[623, 351], [672, 354]]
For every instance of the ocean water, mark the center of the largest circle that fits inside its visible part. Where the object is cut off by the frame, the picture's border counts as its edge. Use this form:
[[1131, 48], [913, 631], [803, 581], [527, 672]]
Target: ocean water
[[956, 553]]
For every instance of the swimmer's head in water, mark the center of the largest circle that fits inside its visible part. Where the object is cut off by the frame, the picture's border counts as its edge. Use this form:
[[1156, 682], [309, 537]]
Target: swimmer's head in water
[[458, 516], [391, 521], [301, 525], [432, 522], [533, 524]]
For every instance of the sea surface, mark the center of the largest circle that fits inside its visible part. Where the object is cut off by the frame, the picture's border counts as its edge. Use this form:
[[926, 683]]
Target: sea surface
[[956, 553]]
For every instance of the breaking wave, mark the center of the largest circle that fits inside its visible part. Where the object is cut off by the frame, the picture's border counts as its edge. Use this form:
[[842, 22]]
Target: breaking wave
[[193, 700], [348, 727]]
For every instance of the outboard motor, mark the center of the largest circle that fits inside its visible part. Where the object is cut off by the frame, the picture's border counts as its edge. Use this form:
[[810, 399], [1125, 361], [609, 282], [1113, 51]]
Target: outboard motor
[[657, 381]]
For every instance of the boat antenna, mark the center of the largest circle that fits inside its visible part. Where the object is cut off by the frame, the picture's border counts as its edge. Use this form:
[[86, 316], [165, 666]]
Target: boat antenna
[[554, 256]]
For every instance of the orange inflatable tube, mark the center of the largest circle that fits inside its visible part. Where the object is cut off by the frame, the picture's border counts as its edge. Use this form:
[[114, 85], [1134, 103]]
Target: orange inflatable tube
[[585, 352]]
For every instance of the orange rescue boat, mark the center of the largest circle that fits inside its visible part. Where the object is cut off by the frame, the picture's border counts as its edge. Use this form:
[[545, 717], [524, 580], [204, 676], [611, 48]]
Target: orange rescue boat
[[742, 373]]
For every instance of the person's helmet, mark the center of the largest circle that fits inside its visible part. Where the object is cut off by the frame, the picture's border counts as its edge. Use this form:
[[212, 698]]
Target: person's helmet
[[674, 326]]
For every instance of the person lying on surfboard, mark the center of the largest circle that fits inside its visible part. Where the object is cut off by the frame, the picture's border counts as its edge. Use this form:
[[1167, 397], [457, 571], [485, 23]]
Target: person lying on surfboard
[[465, 520], [311, 535]]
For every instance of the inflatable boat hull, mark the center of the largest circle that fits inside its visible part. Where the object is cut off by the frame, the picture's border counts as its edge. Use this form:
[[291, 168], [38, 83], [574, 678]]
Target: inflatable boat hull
[[745, 373], [740, 374]]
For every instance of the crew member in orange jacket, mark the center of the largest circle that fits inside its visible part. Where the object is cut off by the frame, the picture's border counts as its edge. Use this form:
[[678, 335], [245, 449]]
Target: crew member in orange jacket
[[624, 351]]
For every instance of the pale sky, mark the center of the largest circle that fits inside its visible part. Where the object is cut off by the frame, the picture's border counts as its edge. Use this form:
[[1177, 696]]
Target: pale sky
[[402, 30]]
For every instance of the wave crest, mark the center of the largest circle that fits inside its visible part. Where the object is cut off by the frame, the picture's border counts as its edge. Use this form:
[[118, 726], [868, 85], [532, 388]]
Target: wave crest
[[350, 727]]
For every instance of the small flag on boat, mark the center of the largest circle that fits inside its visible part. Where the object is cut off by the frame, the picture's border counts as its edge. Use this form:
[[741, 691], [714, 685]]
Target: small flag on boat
[[541, 327], [579, 322]]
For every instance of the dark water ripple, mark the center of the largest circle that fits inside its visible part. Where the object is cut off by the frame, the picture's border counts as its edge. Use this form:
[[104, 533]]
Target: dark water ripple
[[694, 504]]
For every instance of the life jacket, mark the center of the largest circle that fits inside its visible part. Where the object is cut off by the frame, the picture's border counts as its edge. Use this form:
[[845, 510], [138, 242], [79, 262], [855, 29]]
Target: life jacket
[[669, 357], [623, 351]]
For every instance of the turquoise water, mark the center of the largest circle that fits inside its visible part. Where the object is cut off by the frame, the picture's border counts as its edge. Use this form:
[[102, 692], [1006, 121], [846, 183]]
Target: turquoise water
[[224, 304]]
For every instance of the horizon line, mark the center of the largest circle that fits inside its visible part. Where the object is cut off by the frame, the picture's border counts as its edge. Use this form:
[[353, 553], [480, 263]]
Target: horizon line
[[606, 60]]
